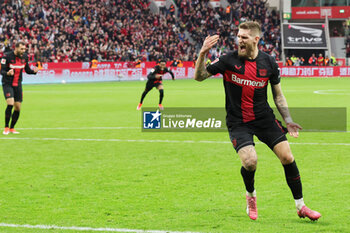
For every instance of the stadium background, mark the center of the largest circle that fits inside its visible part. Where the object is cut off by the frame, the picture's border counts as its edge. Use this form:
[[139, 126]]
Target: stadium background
[[81, 159], [68, 38]]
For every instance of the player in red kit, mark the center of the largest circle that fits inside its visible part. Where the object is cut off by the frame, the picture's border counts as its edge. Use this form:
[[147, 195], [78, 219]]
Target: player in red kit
[[12, 65], [320, 60], [246, 74]]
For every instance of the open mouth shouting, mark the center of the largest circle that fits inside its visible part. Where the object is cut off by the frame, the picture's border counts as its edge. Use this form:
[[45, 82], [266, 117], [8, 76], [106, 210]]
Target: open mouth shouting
[[243, 48]]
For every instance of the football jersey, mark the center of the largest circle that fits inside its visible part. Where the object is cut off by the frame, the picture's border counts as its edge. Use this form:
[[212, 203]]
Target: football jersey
[[11, 61], [245, 82], [157, 70]]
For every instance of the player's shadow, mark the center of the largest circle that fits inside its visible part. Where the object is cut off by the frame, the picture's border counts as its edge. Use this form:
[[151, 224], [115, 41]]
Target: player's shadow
[[320, 222]]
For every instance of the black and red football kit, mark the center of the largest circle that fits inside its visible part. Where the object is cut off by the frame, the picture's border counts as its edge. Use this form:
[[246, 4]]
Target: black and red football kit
[[155, 82], [12, 85], [248, 112]]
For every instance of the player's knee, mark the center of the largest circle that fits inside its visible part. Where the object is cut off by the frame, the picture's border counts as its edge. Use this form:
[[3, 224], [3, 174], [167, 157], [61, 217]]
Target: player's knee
[[250, 163], [17, 106], [288, 158], [10, 101]]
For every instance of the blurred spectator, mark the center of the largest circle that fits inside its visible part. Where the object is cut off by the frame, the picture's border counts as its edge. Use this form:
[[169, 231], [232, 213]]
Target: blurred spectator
[[335, 32], [289, 62], [312, 60], [294, 59], [94, 63], [172, 9], [138, 63], [228, 12], [320, 60], [177, 63], [346, 25], [348, 50], [346, 29], [326, 61], [333, 60]]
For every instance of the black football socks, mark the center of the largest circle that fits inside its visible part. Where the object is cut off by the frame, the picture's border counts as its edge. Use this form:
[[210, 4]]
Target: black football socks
[[15, 117], [144, 95], [161, 95], [293, 179], [248, 178], [8, 113]]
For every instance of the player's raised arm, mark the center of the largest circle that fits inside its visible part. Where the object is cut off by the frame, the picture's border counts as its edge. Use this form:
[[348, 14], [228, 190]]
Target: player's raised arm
[[200, 72], [282, 106], [29, 70], [171, 73]]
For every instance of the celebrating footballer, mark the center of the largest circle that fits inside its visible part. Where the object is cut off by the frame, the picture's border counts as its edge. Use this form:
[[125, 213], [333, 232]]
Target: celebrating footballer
[[246, 75], [12, 66]]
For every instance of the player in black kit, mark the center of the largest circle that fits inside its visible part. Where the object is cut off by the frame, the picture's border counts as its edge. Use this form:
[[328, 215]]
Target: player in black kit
[[155, 80], [12, 65], [246, 74]]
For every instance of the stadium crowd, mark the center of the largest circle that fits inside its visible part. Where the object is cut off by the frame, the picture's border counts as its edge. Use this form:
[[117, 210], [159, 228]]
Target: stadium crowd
[[201, 20], [312, 61], [126, 30], [119, 30]]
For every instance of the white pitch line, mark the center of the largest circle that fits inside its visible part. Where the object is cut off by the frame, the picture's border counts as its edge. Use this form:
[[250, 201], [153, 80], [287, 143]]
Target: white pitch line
[[320, 143], [110, 140], [332, 92], [164, 141], [87, 228], [133, 127], [78, 128]]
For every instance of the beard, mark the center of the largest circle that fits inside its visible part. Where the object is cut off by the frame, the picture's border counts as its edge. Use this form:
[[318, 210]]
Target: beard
[[247, 52], [19, 54]]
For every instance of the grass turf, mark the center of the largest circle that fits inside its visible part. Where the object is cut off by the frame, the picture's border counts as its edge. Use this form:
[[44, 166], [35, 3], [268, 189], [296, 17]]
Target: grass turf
[[161, 186]]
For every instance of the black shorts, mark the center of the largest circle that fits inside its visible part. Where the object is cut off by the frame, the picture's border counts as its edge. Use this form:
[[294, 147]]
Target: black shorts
[[151, 83], [13, 92], [269, 131]]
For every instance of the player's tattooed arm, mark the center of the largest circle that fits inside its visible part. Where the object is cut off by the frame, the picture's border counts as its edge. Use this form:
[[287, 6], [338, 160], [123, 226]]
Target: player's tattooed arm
[[201, 72], [282, 106], [281, 102]]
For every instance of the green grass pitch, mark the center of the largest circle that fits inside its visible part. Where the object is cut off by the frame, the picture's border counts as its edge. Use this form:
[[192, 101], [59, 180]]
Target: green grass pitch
[[50, 176]]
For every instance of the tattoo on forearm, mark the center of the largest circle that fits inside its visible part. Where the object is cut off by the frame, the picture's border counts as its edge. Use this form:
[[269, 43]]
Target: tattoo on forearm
[[282, 106], [200, 72]]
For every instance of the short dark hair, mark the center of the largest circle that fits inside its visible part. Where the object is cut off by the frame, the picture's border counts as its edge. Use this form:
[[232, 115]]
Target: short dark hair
[[251, 25], [20, 43]]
